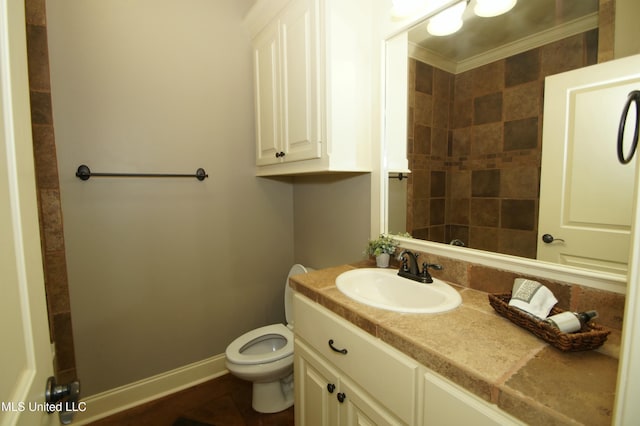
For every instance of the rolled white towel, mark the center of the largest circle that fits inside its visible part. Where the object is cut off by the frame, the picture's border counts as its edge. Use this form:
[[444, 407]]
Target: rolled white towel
[[532, 297]]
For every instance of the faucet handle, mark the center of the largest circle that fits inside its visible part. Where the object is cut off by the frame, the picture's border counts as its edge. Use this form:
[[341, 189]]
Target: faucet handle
[[435, 266], [404, 265]]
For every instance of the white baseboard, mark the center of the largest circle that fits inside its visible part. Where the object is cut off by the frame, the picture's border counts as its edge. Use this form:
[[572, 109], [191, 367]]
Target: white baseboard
[[124, 397]]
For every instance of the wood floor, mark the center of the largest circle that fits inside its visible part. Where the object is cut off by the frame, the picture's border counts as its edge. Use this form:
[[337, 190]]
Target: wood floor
[[225, 401]]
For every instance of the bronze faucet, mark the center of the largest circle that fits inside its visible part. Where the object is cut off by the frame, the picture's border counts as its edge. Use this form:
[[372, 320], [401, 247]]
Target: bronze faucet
[[409, 268]]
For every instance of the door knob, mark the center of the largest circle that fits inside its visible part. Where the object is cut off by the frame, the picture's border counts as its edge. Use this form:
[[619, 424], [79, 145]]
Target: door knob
[[63, 398], [548, 239]]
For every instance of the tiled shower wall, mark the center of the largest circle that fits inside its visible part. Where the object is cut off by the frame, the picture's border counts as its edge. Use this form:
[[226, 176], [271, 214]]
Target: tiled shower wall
[[475, 148], [51, 229]]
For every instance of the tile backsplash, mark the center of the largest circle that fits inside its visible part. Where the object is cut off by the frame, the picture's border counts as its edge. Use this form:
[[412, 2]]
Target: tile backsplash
[[571, 296]]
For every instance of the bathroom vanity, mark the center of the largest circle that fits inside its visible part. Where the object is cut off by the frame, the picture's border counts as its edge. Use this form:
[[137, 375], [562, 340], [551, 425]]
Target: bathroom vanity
[[357, 364]]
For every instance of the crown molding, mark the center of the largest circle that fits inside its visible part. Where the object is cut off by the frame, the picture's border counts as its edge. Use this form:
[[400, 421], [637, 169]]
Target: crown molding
[[571, 28]]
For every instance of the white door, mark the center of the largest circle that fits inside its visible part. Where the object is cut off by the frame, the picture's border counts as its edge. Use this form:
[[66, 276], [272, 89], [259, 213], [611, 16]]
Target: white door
[[26, 360], [586, 195]]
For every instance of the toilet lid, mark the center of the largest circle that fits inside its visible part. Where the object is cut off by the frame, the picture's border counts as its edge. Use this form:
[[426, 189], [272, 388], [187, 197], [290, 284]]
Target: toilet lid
[[288, 293], [234, 355]]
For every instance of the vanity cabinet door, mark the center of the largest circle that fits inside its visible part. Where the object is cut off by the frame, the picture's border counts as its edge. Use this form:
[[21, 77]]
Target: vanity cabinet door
[[388, 377], [357, 408], [446, 404], [325, 397], [316, 387]]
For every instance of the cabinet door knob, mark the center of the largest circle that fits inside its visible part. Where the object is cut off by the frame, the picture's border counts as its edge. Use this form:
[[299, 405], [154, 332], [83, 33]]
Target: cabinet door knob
[[280, 154], [341, 397], [331, 387]]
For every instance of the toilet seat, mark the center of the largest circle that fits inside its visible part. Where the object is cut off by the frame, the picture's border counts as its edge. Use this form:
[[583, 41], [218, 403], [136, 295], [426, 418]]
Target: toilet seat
[[277, 330]]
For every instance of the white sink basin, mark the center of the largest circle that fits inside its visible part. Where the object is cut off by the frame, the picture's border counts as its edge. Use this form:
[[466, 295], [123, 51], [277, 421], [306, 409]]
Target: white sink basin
[[383, 288]]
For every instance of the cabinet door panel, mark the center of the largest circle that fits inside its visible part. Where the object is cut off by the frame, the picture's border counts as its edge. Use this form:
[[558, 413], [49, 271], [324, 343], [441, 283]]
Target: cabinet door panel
[[300, 95], [267, 87], [447, 405], [358, 409], [315, 403], [386, 374]]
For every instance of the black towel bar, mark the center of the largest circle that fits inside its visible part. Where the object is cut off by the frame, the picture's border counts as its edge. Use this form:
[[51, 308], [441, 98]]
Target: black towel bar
[[84, 173], [399, 176]]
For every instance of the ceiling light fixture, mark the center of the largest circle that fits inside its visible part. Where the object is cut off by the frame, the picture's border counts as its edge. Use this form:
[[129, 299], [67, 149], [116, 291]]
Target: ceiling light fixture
[[490, 8], [448, 21]]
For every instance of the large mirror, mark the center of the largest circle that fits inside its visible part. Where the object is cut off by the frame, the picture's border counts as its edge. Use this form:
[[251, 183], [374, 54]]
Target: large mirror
[[475, 116]]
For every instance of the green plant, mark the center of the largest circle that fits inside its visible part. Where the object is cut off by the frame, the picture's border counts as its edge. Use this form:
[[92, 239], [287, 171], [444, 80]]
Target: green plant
[[385, 243]]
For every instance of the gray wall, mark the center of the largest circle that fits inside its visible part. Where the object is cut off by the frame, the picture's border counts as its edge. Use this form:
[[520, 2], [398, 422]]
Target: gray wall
[[162, 272], [332, 218]]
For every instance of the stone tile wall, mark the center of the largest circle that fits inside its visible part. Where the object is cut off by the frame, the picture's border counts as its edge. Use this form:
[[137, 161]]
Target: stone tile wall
[[51, 226]]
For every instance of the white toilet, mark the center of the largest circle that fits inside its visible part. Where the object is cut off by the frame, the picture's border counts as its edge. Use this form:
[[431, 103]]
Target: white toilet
[[264, 356]]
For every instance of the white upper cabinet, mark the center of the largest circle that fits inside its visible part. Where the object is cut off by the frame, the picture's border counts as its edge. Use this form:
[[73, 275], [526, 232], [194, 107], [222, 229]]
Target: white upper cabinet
[[312, 83]]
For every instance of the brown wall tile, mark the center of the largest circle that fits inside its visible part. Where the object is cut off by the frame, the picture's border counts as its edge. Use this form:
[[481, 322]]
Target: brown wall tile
[[35, 12], [563, 55], [487, 139], [37, 51], [45, 156], [522, 68], [484, 212], [485, 183], [424, 78], [41, 111], [487, 108], [519, 214], [520, 182], [523, 101], [521, 134], [488, 78], [517, 242]]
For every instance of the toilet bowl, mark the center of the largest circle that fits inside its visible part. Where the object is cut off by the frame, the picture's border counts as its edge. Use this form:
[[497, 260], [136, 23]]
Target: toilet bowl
[[264, 356]]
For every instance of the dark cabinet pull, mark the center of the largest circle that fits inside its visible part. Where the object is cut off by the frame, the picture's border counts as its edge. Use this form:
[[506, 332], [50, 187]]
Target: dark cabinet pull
[[280, 154], [331, 387], [341, 397], [333, 348]]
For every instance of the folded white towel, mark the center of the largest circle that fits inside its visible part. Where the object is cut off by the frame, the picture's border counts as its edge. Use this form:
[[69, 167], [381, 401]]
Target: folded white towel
[[532, 297]]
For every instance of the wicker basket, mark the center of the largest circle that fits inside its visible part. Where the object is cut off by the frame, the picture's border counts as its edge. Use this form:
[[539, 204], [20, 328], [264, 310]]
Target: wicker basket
[[590, 337]]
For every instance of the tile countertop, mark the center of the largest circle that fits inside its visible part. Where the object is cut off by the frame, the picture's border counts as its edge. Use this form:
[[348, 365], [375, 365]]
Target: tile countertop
[[486, 354]]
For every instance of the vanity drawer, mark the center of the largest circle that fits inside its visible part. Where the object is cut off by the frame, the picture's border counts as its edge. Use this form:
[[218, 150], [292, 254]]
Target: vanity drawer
[[387, 375]]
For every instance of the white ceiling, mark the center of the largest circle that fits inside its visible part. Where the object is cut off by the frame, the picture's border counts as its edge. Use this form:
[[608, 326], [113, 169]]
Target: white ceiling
[[479, 35]]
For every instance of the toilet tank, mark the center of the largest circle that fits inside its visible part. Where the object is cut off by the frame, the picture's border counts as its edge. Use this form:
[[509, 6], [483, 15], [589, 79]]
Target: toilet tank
[[288, 292]]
